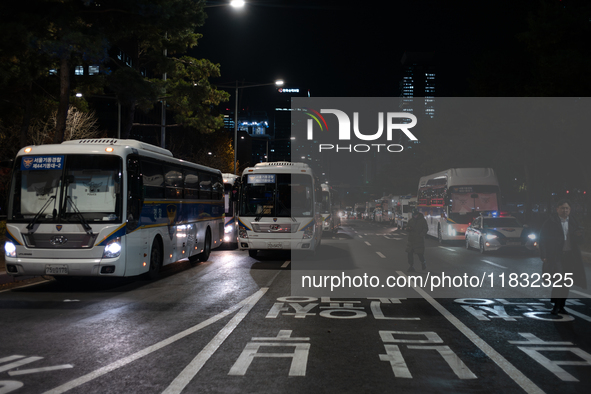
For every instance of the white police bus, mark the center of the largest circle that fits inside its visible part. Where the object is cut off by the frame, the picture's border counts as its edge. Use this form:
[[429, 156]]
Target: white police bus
[[279, 208], [451, 199], [230, 228], [107, 207], [329, 213]]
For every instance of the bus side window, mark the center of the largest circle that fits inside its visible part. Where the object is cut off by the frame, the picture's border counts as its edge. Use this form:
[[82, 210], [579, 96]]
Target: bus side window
[[191, 185], [134, 193], [217, 188], [204, 186], [153, 180], [173, 179]]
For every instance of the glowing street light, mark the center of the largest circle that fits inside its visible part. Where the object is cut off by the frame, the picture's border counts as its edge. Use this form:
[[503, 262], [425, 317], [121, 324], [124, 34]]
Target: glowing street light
[[278, 82]]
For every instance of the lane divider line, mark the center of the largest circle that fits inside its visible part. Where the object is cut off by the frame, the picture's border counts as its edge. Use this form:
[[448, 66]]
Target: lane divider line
[[185, 377], [516, 375], [581, 293], [491, 263], [151, 349]]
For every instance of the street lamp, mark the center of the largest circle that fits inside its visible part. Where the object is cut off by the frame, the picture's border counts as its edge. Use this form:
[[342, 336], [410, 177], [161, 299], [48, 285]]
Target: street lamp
[[233, 3], [276, 83]]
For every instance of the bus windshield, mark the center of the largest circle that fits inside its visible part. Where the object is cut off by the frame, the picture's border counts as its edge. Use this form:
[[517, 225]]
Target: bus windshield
[[473, 198], [277, 195], [66, 188]]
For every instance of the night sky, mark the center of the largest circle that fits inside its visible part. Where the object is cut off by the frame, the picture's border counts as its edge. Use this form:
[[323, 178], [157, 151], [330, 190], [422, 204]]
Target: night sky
[[352, 48]]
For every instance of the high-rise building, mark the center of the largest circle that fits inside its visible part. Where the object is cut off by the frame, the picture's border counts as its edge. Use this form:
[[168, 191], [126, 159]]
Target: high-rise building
[[417, 87], [253, 136], [282, 143]]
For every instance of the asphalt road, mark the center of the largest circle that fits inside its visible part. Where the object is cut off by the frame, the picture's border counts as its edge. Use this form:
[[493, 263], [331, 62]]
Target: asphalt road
[[233, 325]]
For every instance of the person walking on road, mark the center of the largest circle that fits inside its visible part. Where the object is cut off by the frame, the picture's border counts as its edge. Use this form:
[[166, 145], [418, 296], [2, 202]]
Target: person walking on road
[[417, 228], [560, 237]]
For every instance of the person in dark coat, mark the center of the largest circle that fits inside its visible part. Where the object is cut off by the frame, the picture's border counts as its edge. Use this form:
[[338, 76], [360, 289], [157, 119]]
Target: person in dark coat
[[560, 237], [417, 228]]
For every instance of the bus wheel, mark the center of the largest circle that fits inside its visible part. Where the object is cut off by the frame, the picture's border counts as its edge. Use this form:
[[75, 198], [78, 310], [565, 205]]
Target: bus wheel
[[155, 260], [204, 256], [252, 253]]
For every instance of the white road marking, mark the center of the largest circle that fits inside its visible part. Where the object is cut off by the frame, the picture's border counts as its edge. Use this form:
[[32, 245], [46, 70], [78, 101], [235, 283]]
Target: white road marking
[[22, 287], [360, 236], [518, 377], [581, 293], [185, 377], [450, 249], [367, 243], [381, 255], [286, 264], [10, 358], [36, 370], [129, 359], [491, 263], [580, 315], [19, 363]]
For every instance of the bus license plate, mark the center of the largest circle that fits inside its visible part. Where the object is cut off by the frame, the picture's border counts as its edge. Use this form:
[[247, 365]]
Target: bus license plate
[[56, 270], [274, 245]]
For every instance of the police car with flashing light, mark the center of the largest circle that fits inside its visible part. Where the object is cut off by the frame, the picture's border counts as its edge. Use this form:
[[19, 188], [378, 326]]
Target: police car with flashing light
[[493, 231]]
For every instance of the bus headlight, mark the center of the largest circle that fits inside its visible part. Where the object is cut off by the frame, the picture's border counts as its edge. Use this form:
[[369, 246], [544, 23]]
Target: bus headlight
[[229, 228], [112, 249], [309, 232], [9, 249], [490, 236], [242, 232], [532, 236]]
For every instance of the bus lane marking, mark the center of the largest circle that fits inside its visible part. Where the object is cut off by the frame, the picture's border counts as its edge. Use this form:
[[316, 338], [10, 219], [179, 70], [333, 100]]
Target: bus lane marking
[[157, 346], [299, 357], [552, 365], [516, 375]]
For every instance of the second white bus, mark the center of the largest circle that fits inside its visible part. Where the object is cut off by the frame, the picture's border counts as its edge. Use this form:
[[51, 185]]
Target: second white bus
[[279, 208]]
